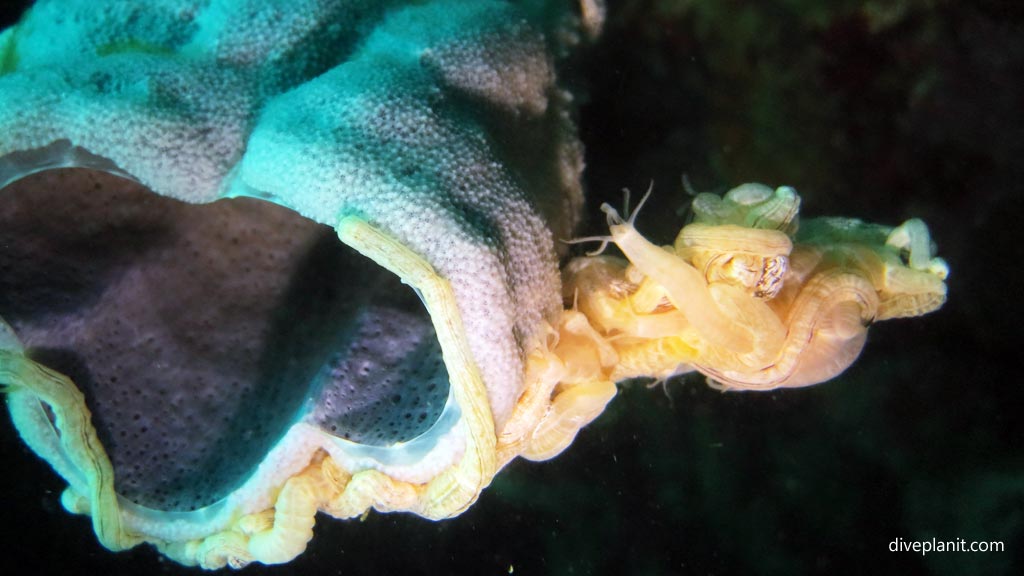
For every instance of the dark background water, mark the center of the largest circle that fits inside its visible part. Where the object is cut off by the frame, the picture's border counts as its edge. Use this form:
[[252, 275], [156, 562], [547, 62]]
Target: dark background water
[[878, 110]]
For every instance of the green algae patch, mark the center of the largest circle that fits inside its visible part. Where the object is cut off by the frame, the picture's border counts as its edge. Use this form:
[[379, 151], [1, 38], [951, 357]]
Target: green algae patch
[[8, 51]]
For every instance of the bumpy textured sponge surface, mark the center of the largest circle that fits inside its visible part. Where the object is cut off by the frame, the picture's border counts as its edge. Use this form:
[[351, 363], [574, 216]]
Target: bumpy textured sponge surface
[[197, 332], [438, 122], [387, 384]]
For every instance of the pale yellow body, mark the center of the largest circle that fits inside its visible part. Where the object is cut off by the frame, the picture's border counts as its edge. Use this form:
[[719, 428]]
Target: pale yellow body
[[743, 302]]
